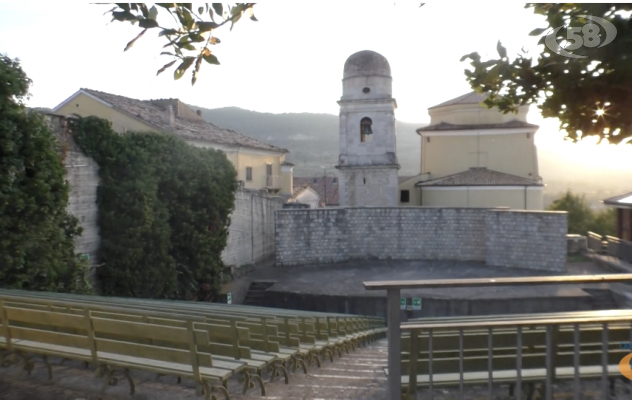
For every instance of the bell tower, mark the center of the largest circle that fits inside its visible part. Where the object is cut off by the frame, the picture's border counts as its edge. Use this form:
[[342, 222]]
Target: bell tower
[[368, 161]]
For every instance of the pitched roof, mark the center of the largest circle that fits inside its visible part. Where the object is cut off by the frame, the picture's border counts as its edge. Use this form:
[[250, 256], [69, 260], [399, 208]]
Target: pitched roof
[[319, 184], [469, 98], [187, 124], [444, 126], [402, 179], [300, 190], [621, 201], [480, 177]]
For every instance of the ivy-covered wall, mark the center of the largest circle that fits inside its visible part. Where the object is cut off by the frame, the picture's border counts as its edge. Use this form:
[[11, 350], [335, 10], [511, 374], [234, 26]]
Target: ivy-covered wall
[[164, 211]]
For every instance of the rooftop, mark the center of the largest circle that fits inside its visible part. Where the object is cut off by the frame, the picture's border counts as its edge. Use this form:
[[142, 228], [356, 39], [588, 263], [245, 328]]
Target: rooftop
[[622, 201], [319, 184], [187, 124], [480, 177], [444, 126], [469, 98]]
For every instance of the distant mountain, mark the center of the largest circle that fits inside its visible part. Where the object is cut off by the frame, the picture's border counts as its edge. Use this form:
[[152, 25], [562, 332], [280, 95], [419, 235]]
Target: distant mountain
[[312, 139]]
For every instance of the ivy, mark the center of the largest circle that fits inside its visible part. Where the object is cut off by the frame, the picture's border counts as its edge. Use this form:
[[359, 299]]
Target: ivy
[[164, 211], [36, 231]]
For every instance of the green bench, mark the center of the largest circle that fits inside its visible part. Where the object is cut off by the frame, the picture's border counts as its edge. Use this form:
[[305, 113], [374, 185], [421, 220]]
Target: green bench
[[460, 359], [29, 331]]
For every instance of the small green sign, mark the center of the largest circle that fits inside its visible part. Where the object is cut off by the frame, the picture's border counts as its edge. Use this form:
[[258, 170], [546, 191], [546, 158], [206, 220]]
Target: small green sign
[[402, 304], [229, 299], [85, 257], [416, 304]]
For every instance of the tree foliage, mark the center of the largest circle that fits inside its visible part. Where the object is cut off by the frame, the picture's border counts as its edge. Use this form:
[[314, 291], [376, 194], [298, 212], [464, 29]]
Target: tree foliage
[[591, 95], [189, 32], [164, 211], [581, 218], [36, 231]]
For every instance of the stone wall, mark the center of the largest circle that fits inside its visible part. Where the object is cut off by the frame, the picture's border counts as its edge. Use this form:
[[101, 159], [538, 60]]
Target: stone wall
[[82, 174], [527, 239], [332, 235], [251, 234]]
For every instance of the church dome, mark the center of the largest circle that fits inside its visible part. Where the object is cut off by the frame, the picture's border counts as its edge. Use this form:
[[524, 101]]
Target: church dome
[[366, 63]]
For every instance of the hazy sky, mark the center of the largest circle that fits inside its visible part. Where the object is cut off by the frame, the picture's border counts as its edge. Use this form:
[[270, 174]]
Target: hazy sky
[[289, 61]]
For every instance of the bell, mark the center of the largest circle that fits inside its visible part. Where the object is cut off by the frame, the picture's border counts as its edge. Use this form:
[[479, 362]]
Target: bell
[[366, 129]]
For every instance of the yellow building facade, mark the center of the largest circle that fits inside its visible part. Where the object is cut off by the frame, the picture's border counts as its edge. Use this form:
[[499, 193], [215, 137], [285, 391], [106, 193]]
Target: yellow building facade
[[472, 156], [258, 165]]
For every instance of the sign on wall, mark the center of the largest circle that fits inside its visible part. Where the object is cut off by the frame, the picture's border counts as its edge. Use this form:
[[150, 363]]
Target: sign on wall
[[229, 299], [416, 304], [402, 304]]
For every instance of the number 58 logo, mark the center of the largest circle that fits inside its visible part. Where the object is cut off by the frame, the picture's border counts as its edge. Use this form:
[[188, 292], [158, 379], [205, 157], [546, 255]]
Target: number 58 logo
[[584, 36]]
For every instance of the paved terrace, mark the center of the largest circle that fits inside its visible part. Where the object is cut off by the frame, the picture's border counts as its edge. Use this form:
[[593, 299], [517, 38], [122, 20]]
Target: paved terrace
[[346, 279]]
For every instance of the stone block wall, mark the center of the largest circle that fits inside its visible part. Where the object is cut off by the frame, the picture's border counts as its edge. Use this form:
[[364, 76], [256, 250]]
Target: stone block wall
[[251, 232], [314, 236], [414, 233], [524, 239], [527, 239]]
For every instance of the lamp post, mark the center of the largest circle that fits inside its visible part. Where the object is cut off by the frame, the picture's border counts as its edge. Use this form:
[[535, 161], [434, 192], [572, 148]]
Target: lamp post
[[324, 175]]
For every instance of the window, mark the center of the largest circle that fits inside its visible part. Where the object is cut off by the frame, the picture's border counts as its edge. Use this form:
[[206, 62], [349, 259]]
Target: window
[[366, 90], [315, 180], [404, 196], [364, 181], [249, 174], [268, 169], [334, 180], [366, 130]]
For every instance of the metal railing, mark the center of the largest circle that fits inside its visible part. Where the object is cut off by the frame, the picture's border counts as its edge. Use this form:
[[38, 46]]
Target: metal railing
[[619, 248], [595, 242], [395, 328]]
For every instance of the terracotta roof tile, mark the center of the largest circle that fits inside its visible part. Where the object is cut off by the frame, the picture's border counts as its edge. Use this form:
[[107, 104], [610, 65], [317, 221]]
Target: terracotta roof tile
[[318, 184], [189, 127], [480, 177]]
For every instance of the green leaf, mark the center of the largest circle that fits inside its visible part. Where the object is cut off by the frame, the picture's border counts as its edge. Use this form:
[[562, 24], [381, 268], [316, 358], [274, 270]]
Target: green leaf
[[153, 12], [131, 43], [166, 5], [200, 10], [210, 12], [123, 16], [219, 8], [124, 6], [207, 26], [211, 59], [182, 68], [161, 70], [166, 32], [196, 37], [474, 56], [166, 53], [148, 23], [502, 52], [538, 31]]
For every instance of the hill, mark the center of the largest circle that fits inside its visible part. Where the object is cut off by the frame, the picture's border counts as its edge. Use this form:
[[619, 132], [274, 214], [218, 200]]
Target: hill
[[312, 139]]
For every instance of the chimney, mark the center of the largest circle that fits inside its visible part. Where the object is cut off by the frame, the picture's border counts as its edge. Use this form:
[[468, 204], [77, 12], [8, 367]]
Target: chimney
[[199, 113], [169, 117]]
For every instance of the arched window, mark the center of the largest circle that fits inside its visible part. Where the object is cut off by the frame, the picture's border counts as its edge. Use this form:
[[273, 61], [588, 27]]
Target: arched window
[[366, 130]]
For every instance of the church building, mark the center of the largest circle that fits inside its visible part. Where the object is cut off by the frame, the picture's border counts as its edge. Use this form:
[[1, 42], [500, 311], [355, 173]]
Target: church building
[[472, 156]]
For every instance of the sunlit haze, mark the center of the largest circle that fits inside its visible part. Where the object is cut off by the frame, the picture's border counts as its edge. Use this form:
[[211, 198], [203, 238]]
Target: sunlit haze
[[289, 61]]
